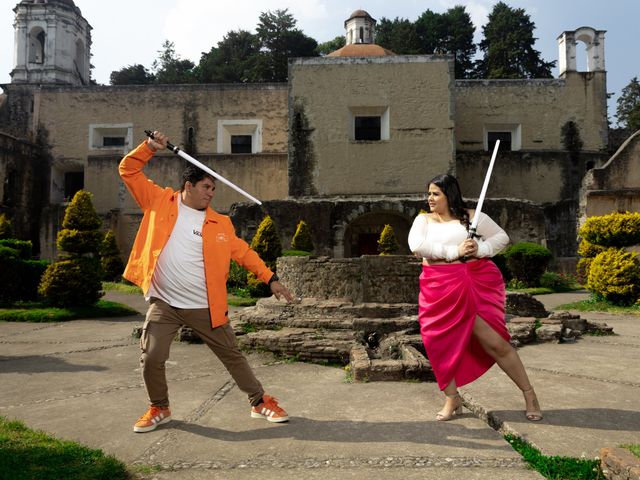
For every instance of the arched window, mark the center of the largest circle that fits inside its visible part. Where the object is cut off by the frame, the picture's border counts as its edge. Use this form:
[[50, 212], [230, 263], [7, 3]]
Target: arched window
[[36, 45], [361, 35]]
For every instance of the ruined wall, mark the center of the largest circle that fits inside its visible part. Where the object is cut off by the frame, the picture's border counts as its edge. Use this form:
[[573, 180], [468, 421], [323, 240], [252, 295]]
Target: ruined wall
[[23, 169], [325, 95], [540, 106], [615, 186], [367, 279], [540, 177]]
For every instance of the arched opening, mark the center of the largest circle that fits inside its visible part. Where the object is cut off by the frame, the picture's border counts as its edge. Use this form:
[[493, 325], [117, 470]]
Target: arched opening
[[361, 39], [361, 235], [36, 45]]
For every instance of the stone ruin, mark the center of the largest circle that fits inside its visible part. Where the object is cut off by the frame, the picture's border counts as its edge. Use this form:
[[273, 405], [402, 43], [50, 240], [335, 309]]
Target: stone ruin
[[363, 312]]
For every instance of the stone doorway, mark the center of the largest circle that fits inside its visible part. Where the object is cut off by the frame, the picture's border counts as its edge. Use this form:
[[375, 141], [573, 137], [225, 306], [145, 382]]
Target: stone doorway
[[362, 234]]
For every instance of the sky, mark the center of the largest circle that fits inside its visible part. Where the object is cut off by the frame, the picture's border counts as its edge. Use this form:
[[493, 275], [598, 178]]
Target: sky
[[128, 32]]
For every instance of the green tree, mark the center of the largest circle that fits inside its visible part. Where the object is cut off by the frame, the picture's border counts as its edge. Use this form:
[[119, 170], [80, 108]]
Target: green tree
[[132, 75], [302, 238], [398, 35], [170, 69], [331, 46], [110, 258], [74, 279], [387, 243], [508, 46], [628, 110], [234, 60], [449, 33], [266, 242], [280, 40], [5, 227]]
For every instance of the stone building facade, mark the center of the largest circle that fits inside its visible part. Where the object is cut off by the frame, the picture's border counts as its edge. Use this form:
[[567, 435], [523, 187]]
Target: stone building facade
[[347, 144]]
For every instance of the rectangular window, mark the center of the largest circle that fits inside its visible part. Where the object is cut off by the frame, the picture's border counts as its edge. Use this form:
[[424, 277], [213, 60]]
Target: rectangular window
[[367, 128], [73, 182], [504, 137], [241, 143], [509, 134], [113, 136], [113, 141]]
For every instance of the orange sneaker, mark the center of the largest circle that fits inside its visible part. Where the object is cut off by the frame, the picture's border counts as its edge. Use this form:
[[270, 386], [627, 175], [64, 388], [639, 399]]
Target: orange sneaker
[[270, 410], [149, 421]]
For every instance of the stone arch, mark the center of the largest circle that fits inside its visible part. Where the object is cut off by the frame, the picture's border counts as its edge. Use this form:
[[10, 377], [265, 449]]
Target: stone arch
[[594, 46], [361, 230], [37, 39]]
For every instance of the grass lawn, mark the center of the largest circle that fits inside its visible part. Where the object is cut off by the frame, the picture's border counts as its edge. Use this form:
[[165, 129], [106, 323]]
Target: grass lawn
[[38, 312], [634, 448], [26, 454], [595, 305]]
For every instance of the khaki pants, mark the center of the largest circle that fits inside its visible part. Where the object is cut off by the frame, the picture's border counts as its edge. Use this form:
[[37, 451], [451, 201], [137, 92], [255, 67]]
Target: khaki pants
[[160, 327]]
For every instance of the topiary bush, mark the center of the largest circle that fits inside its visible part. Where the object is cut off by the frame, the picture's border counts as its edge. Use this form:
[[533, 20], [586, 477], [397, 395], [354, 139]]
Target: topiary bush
[[266, 242], [21, 275], [587, 252], [75, 280], [615, 276], [527, 262], [110, 258], [5, 227], [72, 282], [387, 243], [302, 238], [613, 230]]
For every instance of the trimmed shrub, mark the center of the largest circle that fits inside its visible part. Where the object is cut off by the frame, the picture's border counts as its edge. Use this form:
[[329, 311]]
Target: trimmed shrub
[[23, 247], [527, 262], [266, 242], [556, 282], [237, 276], [110, 259], [5, 227], [387, 243], [25, 274], [614, 230], [302, 238], [615, 276], [501, 262], [73, 282], [76, 280]]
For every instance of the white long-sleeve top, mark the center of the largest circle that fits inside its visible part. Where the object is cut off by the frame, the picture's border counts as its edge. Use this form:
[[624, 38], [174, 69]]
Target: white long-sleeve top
[[435, 240]]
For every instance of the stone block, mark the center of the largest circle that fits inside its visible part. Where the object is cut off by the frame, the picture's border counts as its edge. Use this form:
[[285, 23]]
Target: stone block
[[549, 333], [619, 463]]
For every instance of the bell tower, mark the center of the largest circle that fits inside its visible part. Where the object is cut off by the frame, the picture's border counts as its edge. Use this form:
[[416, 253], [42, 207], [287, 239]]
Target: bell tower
[[594, 43], [52, 43]]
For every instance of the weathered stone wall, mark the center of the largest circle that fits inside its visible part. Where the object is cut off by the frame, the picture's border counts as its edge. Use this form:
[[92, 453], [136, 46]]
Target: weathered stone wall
[[540, 106], [326, 93], [367, 279], [326, 218], [67, 112], [23, 168], [616, 185], [541, 177]]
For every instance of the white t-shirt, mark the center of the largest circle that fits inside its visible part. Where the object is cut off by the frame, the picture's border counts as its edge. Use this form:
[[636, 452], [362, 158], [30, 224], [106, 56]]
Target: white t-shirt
[[178, 278], [439, 240]]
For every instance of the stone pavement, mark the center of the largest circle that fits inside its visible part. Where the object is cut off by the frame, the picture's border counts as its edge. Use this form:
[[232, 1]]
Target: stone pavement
[[80, 381]]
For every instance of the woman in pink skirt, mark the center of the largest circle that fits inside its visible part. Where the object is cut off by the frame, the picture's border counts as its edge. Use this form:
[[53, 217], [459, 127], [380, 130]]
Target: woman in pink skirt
[[462, 297]]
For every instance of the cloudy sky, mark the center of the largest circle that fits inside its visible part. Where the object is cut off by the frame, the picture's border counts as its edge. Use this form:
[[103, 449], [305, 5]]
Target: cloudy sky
[[127, 32]]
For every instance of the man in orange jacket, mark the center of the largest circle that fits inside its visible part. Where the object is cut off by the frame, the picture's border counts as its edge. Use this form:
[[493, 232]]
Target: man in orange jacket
[[180, 259]]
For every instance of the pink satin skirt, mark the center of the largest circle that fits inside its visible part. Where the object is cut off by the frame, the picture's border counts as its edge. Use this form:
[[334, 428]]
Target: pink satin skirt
[[451, 296]]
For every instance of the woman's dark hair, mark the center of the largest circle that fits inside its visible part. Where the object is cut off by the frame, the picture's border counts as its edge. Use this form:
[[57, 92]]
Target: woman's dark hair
[[451, 189], [193, 174]]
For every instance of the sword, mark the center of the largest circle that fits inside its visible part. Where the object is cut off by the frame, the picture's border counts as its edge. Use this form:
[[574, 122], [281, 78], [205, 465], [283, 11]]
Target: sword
[[201, 166], [483, 193]]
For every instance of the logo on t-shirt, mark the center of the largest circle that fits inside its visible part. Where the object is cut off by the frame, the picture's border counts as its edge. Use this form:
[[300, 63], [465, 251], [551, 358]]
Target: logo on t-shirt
[[221, 237], [196, 232]]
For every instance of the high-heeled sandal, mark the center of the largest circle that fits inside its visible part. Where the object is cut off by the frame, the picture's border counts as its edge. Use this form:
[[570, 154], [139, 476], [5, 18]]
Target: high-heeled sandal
[[533, 415], [442, 417]]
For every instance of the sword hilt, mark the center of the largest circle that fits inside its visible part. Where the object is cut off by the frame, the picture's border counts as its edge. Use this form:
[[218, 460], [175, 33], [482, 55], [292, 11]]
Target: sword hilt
[[170, 145]]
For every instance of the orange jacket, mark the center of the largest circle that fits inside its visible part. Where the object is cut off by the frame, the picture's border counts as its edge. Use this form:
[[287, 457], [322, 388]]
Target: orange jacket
[[219, 241]]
